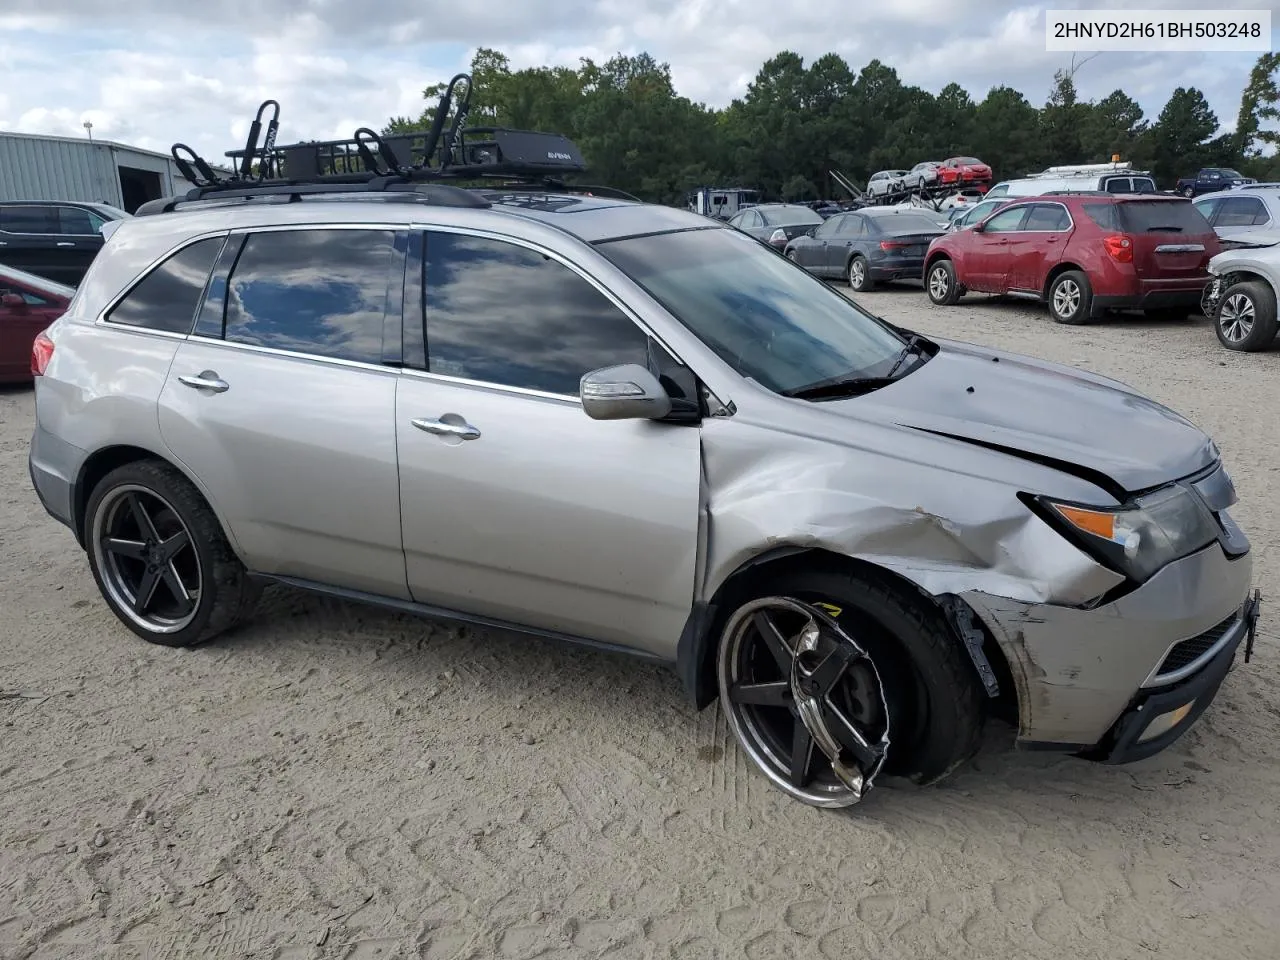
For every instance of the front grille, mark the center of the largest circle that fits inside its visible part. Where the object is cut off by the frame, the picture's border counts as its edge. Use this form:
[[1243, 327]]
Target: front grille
[[1189, 651]]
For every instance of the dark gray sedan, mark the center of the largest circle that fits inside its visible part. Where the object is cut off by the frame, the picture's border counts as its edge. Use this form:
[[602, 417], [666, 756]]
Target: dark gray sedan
[[867, 246], [776, 223]]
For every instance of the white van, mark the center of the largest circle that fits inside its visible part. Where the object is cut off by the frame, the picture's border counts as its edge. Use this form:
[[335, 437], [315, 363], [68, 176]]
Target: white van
[[1087, 178]]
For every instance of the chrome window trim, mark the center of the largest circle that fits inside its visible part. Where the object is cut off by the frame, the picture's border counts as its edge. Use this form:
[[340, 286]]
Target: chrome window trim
[[101, 319], [1071, 221], [294, 355], [538, 248]]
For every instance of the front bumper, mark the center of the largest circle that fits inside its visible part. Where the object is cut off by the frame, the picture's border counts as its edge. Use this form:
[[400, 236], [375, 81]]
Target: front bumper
[[1157, 718], [1077, 671]]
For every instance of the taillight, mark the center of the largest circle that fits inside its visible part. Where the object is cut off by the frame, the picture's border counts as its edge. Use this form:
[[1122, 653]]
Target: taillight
[[1119, 247], [41, 354], [778, 236], [891, 245]]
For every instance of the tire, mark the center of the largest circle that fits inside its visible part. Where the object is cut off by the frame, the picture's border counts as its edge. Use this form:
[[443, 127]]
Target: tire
[[1070, 298], [1246, 316], [940, 283], [930, 689], [220, 591], [859, 274], [1188, 192]]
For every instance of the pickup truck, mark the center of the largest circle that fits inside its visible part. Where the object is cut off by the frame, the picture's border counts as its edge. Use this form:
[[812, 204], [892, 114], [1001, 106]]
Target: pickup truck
[[1210, 179]]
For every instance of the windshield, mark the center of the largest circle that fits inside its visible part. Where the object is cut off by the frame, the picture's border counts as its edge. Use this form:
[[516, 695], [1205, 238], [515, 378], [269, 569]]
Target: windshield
[[765, 317], [968, 160], [785, 215]]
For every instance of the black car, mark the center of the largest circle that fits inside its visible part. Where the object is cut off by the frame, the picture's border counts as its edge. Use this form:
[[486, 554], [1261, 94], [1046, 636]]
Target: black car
[[867, 246], [776, 223], [54, 239]]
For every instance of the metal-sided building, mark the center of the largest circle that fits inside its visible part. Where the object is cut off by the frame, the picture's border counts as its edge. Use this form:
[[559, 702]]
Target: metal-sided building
[[35, 167]]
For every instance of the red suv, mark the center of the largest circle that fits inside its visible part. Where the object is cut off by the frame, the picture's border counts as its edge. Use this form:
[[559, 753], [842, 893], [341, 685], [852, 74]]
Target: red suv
[[1082, 253]]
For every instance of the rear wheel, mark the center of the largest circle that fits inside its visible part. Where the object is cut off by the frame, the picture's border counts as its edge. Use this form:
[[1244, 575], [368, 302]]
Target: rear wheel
[[1188, 192], [860, 274], [941, 283], [831, 679], [160, 558], [1070, 298], [1246, 316]]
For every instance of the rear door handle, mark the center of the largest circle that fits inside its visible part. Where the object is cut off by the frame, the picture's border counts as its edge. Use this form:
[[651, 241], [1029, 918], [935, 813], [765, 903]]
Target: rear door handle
[[464, 430], [207, 380], [65, 243]]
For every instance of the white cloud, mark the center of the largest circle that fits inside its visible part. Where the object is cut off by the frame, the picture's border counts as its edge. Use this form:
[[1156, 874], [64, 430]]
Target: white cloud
[[149, 72]]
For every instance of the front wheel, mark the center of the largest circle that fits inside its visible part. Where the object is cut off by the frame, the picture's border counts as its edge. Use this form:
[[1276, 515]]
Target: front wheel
[[1070, 298], [160, 558], [831, 679], [941, 283], [1246, 316]]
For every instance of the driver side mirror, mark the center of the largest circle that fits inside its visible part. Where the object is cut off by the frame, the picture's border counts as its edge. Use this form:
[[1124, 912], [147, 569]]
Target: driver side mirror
[[979, 227], [625, 392], [13, 300]]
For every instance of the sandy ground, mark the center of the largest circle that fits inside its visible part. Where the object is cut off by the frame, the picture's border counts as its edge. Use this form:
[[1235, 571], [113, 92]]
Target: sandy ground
[[335, 781]]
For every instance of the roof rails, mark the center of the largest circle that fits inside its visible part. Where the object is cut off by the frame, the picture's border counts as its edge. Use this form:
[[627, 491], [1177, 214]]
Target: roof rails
[[413, 167]]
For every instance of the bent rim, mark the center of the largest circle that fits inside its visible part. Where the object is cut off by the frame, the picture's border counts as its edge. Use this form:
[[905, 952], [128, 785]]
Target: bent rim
[[1236, 317], [804, 699], [147, 559]]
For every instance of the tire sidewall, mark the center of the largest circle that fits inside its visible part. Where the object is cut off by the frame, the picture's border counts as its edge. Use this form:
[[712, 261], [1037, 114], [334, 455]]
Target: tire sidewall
[[927, 709], [866, 274], [1264, 316], [1086, 298], [949, 269], [165, 485]]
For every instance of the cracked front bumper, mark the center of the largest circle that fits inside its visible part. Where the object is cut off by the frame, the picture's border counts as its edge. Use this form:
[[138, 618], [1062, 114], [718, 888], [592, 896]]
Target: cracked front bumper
[[1079, 672]]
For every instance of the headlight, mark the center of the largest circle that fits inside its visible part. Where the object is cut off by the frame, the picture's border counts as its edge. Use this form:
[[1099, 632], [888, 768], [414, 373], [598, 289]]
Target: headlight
[[1141, 539]]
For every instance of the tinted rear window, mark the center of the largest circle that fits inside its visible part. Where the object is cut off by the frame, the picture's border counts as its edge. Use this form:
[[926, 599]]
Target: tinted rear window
[[1103, 214], [901, 224], [1163, 216]]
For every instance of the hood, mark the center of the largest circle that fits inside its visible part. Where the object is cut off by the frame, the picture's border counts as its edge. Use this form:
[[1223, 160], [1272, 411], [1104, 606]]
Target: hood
[[1249, 238], [1081, 423]]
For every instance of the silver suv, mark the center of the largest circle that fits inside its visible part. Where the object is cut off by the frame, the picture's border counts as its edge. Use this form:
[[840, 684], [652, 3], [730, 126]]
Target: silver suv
[[628, 425]]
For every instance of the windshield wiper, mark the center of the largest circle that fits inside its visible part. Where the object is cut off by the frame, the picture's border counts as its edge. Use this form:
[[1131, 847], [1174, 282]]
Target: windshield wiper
[[839, 387], [853, 386], [914, 346]]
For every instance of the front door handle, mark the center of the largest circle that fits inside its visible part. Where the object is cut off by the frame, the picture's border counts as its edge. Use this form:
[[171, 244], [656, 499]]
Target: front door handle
[[65, 243], [464, 430], [207, 380]]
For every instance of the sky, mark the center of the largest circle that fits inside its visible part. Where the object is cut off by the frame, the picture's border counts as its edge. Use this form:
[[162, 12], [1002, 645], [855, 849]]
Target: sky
[[149, 72]]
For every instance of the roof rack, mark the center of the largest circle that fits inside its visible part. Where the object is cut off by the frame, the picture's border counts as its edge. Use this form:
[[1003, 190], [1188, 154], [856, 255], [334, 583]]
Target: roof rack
[[410, 167]]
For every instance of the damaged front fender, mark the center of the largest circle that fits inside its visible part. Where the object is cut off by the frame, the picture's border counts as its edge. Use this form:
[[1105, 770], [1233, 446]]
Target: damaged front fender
[[945, 530]]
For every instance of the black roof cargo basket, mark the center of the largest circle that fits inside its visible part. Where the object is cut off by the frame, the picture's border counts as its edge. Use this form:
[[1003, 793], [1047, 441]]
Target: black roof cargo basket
[[426, 167]]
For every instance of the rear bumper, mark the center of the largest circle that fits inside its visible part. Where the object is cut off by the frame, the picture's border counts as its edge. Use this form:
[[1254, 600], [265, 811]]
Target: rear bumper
[[1153, 295], [898, 269], [53, 466]]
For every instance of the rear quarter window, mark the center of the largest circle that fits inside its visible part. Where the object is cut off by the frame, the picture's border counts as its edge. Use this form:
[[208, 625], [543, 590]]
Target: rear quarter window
[[1163, 216], [1103, 214]]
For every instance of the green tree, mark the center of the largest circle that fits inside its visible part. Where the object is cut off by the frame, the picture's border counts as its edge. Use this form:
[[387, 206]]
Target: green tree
[[1259, 103], [1063, 119], [1178, 138], [1115, 125], [1005, 134]]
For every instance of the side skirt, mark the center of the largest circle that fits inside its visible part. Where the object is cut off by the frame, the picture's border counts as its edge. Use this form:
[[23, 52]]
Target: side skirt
[[454, 616]]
